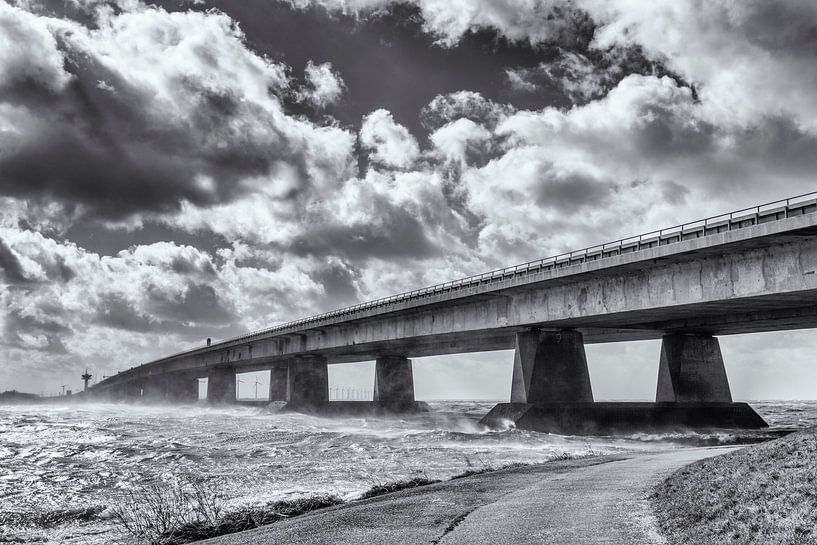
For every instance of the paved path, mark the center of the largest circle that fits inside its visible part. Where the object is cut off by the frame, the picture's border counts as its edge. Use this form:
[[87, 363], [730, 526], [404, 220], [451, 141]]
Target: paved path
[[592, 501]]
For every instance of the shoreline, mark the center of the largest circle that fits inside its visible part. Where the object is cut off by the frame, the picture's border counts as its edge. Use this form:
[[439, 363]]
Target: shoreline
[[444, 512]]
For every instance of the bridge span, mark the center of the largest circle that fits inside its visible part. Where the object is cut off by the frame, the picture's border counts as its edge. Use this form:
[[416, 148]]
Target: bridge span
[[747, 271]]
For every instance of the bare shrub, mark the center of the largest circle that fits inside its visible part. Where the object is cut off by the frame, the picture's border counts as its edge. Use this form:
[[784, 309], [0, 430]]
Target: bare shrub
[[154, 513]]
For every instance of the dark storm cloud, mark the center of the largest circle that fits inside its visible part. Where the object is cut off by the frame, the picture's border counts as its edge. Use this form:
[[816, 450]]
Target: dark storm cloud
[[10, 265], [198, 303], [573, 192], [114, 310], [396, 234], [339, 285], [95, 236], [105, 150], [17, 323], [90, 132]]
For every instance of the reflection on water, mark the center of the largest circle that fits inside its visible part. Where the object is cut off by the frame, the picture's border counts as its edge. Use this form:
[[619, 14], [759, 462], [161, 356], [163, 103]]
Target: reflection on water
[[56, 462]]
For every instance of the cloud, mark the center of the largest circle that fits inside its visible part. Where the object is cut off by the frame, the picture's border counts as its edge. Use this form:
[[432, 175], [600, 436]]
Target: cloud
[[572, 72], [391, 144], [531, 20], [324, 85], [744, 57], [148, 109], [463, 104]]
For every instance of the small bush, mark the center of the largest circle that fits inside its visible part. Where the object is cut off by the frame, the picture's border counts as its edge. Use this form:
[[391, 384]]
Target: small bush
[[248, 518], [187, 511], [152, 514]]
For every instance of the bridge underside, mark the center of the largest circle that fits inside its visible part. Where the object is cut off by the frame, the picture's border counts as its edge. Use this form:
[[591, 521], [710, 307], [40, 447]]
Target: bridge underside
[[757, 279]]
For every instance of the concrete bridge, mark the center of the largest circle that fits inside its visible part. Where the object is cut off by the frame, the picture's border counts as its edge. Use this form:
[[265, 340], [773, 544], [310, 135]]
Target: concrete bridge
[[747, 271]]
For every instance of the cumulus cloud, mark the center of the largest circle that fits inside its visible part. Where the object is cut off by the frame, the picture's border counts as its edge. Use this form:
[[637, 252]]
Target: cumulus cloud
[[531, 20], [743, 56], [140, 117], [324, 86], [391, 144], [147, 109]]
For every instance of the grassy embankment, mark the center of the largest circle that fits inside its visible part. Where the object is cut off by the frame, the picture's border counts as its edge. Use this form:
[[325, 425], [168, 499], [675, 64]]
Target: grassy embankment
[[765, 494]]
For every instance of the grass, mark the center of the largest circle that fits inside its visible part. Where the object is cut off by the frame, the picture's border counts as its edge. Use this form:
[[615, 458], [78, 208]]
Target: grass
[[766, 494], [387, 488]]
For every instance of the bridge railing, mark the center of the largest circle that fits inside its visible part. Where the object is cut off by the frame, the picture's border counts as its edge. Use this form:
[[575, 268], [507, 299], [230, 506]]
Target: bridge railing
[[739, 219]]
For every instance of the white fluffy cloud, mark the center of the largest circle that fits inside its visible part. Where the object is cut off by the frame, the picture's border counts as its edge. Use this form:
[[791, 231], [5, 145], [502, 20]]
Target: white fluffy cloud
[[325, 86], [391, 143]]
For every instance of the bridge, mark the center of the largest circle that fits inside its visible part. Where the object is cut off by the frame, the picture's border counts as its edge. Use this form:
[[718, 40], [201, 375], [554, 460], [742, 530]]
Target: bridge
[[746, 271]]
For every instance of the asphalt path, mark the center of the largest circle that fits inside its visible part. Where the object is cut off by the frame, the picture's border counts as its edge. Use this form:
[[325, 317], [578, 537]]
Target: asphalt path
[[602, 500]]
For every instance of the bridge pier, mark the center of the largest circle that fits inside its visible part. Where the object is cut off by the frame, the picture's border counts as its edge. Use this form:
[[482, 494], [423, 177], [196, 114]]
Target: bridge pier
[[181, 388], [279, 383], [692, 370], [393, 379], [221, 385], [550, 367], [551, 389], [308, 381]]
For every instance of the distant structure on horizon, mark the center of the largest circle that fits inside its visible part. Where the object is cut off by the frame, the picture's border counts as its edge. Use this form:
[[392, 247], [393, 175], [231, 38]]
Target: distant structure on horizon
[[86, 378]]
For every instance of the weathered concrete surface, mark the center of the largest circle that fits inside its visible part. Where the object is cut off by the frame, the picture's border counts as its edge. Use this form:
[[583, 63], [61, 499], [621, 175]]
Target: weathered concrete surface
[[279, 383], [692, 369], [221, 385], [621, 417], [393, 379], [308, 382], [550, 367], [179, 387], [590, 501]]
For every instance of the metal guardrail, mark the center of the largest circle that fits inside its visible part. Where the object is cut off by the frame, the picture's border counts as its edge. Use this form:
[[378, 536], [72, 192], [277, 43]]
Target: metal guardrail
[[739, 219]]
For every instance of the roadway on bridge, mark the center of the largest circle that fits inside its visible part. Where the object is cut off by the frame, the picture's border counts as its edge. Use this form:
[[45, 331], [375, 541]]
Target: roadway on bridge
[[582, 502]]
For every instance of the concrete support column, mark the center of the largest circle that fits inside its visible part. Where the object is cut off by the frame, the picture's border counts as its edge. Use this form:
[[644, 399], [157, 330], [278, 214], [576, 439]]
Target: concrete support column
[[221, 385], [692, 369], [278, 383], [153, 389], [393, 379], [550, 367], [308, 381], [181, 388]]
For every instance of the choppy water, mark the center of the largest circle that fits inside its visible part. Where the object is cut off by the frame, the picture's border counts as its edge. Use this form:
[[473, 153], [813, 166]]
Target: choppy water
[[57, 459]]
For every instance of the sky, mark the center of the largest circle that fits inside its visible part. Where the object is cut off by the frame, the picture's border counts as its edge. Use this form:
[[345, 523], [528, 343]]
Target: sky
[[180, 170]]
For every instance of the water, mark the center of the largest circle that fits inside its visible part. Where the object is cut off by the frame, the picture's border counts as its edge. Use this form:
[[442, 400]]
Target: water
[[58, 460]]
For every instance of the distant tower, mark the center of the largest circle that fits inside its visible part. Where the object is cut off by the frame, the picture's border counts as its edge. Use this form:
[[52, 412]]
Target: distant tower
[[86, 378]]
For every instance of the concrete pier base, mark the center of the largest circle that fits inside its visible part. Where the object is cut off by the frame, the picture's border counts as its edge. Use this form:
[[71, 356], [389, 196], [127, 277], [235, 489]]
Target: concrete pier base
[[221, 386], [550, 367], [393, 381], [611, 418], [308, 382], [692, 369]]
